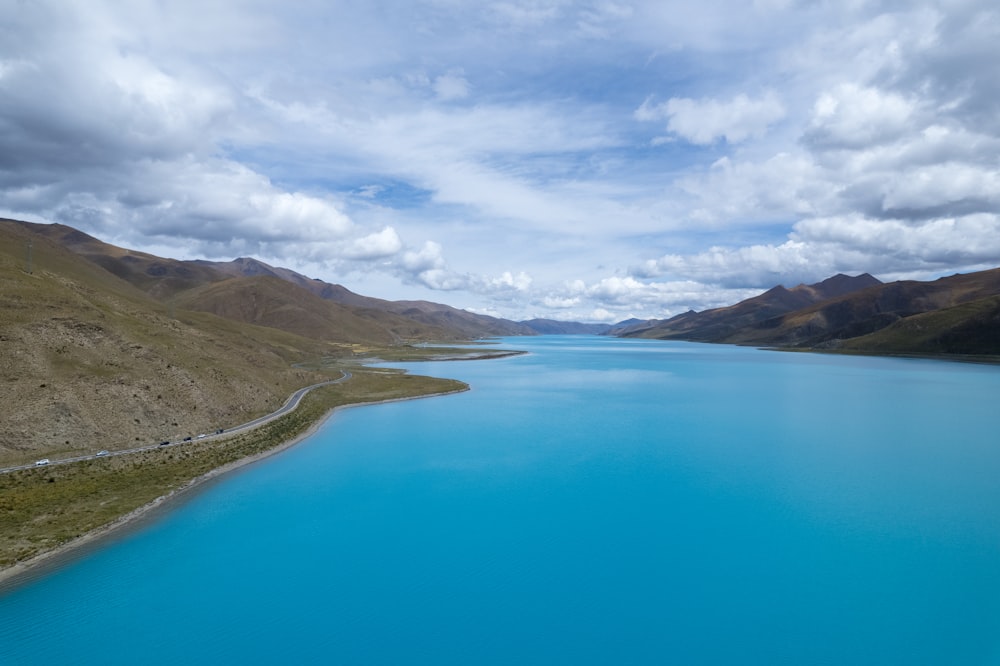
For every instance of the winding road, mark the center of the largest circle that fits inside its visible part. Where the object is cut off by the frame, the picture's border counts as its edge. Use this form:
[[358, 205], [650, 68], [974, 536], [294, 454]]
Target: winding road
[[290, 404]]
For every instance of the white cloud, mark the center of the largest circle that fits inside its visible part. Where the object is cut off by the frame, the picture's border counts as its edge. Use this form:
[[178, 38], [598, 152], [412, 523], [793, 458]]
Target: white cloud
[[521, 15], [734, 193], [427, 258], [795, 140], [381, 244], [507, 280], [451, 86], [892, 245], [820, 247], [557, 303], [853, 117], [755, 265], [941, 185], [705, 121]]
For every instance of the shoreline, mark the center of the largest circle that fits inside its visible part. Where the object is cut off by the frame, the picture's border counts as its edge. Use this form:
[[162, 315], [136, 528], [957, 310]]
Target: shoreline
[[38, 566], [980, 359]]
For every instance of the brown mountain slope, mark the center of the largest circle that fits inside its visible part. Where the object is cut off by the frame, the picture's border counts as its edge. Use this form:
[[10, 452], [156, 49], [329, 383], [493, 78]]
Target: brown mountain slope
[[159, 277], [720, 323], [89, 361], [470, 324], [462, 324], [972, 328], [869, 310], [266, 300], [169, 279]]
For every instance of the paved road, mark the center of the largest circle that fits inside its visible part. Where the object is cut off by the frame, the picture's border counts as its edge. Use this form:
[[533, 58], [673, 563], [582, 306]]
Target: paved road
[[290, 404]]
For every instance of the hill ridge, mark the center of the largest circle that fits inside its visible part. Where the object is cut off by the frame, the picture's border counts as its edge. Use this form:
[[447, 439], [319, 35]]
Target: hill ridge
[[854, 314], [179, 282]]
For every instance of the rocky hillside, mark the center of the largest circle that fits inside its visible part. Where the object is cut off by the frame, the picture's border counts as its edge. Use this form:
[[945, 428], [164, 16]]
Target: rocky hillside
[[271, 301], [187, 282], [429, 320], [972, 328], [555, 327], [951, 315], [843, 322], [104, 347], [90, 361], [719, 324]]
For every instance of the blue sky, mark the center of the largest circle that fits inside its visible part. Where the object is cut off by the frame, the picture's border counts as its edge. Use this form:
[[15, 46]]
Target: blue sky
[[576, 160]]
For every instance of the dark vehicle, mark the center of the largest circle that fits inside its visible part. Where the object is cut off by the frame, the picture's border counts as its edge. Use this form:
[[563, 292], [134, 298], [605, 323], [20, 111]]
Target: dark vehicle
[[187, 439], [164, 443]]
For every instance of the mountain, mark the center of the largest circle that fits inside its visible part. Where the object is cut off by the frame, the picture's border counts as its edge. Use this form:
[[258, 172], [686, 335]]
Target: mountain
[[959, 314], [972, 328], [249, 267], [829, 323], [159, 277], [86, 356], [104, 344], [271, 301], [452, 322], [555, 327], [720, 323], [631, 327], [229, 289]]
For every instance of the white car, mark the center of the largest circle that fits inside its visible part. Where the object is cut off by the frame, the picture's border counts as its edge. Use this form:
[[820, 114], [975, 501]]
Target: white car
[[43, 461], [102, 453]]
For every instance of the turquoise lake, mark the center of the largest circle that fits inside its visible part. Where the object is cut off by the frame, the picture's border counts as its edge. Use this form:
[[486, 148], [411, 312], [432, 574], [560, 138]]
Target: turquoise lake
[[596, 501]]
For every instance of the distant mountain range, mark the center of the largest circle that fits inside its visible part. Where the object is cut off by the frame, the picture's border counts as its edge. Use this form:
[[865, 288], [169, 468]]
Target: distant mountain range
[[253, 292], [954, 315], [99, 341], [555, 327], [718, 324], [96, 339], [959, 314]]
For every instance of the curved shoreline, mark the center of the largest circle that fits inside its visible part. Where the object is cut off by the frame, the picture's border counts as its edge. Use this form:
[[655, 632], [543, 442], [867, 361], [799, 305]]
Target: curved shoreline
[[22, 573]]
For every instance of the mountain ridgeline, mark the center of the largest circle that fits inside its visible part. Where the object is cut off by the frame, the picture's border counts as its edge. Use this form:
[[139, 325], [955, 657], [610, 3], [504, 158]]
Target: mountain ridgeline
[[956, 315], [250, 291], [99, 341], [104, 344]]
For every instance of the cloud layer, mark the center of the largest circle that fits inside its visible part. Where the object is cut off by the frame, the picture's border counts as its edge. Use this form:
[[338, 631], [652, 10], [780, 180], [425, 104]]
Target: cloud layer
[[590, 160]]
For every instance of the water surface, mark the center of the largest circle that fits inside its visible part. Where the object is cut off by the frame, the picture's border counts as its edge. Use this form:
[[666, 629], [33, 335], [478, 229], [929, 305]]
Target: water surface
[[598, 501]]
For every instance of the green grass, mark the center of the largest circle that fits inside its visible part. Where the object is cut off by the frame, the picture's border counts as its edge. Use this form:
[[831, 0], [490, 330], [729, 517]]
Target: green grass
[[967, 329], [44, 508]]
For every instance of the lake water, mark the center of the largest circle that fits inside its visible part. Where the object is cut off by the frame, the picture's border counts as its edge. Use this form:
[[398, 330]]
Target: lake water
[[599, 501]]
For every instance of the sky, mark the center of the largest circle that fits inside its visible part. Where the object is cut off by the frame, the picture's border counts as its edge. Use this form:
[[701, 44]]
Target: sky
[[576, 160]]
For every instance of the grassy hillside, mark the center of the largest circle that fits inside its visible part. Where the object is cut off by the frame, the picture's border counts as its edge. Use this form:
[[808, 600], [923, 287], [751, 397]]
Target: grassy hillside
[[719, 324], [349, 317], [829, 323], [158, 277], [41, 509], [969, 329], [276, 303], [101, 348], [92, 362], [950, 315], [444, 321]]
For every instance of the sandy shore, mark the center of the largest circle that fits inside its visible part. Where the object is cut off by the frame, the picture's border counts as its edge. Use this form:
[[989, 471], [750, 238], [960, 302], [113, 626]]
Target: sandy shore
[[42, 564]]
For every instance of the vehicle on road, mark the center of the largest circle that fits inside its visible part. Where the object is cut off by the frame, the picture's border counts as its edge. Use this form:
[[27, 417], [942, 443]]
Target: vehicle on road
[[102, 453], [164, 443], [43, 461]]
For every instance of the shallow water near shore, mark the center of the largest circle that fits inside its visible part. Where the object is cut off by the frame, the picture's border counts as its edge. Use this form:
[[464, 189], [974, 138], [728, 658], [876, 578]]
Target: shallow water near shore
[[598, 501]]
